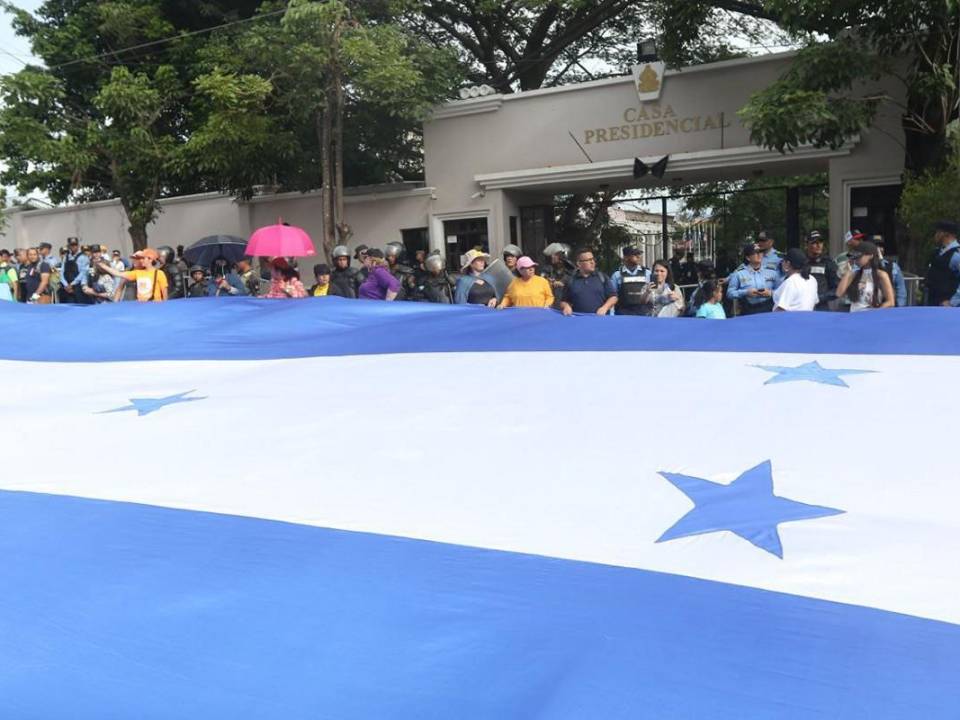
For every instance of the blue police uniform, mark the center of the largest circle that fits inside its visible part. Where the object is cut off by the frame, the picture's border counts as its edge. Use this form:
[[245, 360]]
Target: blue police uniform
[[771, 261], [744, 279], [897, 280]]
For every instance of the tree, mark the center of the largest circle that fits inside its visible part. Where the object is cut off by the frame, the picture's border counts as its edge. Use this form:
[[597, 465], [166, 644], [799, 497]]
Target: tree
[[109, 115], [828, 95], [742, 208], [527, 44], [322, 64], [933, 196]]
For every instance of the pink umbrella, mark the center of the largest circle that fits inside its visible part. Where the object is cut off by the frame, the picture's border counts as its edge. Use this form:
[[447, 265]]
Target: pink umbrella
[[280, 241]]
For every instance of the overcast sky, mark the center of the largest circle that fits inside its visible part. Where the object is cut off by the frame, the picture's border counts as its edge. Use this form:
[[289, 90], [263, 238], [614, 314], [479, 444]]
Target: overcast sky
[[10, 44]]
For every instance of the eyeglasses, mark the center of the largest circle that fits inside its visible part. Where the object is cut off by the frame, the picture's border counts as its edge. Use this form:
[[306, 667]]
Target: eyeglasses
[[586, 260]]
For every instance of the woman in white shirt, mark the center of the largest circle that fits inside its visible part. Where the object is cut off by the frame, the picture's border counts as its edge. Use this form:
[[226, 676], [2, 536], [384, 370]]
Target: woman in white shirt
[[798, 291], [865, 284]]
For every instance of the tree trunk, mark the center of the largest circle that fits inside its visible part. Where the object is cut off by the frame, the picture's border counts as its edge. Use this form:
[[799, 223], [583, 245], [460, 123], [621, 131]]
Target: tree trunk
[[137, 226], [138, 233], [336, 77], [326, 191]]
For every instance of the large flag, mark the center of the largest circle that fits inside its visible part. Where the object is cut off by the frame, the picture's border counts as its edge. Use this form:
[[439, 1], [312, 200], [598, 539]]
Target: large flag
[[335, 509]]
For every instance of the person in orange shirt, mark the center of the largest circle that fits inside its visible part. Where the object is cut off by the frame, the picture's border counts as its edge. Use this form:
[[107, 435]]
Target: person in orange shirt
[[528, 290], [151, 281]]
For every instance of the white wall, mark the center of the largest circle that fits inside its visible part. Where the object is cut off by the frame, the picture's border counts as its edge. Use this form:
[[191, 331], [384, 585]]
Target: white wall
[[376, 219]]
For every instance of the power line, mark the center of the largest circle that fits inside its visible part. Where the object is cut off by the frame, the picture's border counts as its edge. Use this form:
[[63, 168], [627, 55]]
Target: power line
[[15, 57], [163, 41]]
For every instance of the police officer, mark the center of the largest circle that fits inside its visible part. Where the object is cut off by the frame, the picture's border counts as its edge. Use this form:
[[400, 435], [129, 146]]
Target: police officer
[[630, 282], [393, 252], [943, 272], [557, 270], [198, 282], [345, 278], [752, 284], [771, 257], [822, 269], [359, 253], [168, 264], [75, 265], [437, 286], [512, 253], [892, 269]]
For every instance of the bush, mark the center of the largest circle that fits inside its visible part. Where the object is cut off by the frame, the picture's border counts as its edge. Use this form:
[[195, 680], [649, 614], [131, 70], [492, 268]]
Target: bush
[[931, 197]]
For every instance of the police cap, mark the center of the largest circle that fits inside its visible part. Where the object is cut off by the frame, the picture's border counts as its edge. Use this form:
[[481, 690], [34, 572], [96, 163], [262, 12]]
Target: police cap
[[750, 249], [947, 226]]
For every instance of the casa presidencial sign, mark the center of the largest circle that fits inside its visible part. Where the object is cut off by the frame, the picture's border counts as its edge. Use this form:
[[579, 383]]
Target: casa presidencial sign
[[651, 118], [654, 120]]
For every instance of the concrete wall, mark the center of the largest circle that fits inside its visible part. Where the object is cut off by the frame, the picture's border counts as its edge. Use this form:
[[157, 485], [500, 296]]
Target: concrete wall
[[533, 129], [376, 219]]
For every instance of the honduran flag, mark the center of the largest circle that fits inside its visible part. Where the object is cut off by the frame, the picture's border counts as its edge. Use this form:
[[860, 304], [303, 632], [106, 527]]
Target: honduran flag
[[245, 508]]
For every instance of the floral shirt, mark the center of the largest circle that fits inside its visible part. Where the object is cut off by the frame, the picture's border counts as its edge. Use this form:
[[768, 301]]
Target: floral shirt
[[276, 289]]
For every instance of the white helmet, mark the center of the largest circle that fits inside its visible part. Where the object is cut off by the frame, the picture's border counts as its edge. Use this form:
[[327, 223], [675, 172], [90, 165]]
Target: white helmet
[[554, 248], [513, 250], [393, 249], [434, 263]]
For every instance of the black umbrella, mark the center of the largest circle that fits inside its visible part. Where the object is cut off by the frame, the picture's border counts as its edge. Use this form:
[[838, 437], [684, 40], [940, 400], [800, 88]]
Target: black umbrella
[[206, 250]]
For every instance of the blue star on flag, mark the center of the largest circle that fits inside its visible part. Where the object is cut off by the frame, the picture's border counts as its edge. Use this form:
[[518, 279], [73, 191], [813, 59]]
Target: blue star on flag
[[746, 507], [811, 371], [145, 406]]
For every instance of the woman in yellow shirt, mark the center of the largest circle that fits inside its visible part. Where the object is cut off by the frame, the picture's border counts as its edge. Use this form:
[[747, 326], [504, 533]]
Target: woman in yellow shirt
[[528, 290]]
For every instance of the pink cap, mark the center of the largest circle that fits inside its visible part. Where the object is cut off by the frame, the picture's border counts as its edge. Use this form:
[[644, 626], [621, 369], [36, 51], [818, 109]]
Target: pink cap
[[526, 262]]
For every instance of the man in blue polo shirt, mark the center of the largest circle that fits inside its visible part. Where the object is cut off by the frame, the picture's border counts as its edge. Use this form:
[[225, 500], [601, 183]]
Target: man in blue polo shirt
[[588, 290]]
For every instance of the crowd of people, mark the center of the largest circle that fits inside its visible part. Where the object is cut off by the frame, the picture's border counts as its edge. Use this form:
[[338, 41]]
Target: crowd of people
[[767, 280]]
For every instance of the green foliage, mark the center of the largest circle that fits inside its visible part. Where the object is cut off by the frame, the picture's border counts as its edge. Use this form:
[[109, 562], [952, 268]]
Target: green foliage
[[390, 81], [527, 44], [933, 196], [802, 107], [100, 122], [824, 98], [742, 208]]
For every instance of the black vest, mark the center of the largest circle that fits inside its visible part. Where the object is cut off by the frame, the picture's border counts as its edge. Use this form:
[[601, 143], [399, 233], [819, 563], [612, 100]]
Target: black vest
[[70, 269], [940, 281], [632, 289], [346, 280]]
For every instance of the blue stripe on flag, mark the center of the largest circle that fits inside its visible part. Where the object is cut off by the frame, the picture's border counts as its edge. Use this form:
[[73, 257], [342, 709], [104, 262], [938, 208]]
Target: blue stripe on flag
[[249, 328], [121, 610]]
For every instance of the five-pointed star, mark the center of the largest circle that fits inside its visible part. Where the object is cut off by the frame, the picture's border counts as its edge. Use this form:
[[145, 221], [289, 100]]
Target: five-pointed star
[[811, 371], [746, 507], [145, 406]]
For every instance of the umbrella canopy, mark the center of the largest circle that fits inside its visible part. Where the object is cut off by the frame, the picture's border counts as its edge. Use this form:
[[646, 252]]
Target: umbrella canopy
[[280, 240], [206, 250]]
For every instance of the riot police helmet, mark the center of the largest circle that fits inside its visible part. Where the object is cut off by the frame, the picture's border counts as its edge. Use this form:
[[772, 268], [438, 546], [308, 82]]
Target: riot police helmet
[[555, 248], [512, 250], [340, 251], [434, 263], [166, 253]]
